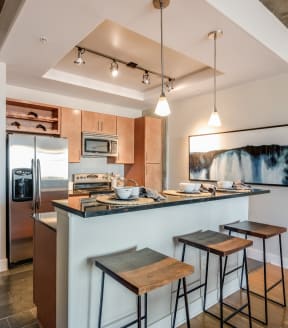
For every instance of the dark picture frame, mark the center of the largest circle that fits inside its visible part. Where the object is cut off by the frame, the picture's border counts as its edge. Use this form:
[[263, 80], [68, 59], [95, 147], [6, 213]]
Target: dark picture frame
[[257, 156]]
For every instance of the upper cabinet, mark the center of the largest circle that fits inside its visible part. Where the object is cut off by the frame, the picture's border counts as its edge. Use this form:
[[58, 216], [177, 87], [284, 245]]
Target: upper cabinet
[[98, 123], [30, 117], [71, 129], [153, 140], [125, 133]]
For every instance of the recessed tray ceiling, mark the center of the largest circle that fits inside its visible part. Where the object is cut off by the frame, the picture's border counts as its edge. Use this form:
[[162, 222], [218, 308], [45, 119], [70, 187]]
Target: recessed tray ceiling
[[116, 41]]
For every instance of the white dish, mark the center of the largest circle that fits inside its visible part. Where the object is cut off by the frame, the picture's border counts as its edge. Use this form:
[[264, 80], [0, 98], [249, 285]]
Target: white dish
[[189, 187], [129, 198], [225, 184], [123, 192]]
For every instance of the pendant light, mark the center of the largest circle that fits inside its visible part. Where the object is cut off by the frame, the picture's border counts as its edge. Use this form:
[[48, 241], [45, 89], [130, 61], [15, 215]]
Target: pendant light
[[162, 108], [214, 118]]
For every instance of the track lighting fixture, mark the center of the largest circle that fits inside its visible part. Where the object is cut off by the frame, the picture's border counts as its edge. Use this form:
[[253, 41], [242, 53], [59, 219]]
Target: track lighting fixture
[[214, 119], [79, 60], [162, 107], [146, 78], [169, 85], [114, 68]]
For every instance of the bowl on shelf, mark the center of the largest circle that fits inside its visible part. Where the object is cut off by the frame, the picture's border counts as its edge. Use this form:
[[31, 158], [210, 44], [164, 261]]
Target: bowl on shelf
[[123, 192], [189, 187], [225, 184]]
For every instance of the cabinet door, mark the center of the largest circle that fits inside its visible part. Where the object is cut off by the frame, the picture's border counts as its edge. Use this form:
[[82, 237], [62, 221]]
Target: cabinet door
[[125, 132], [153, 140], [153, 176], [91, 121], [108, 124], [98, 123], [71, 129]]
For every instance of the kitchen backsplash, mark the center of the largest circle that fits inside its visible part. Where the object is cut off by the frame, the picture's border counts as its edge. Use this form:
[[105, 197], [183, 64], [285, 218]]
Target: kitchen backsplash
[[94, 165]]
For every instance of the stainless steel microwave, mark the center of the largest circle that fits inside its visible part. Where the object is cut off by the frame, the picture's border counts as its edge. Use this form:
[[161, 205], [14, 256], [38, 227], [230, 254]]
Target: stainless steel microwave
[[99, 145]]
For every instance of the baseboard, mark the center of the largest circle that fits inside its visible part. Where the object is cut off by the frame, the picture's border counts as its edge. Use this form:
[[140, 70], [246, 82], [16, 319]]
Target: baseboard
[[3, 265], [257, 254]]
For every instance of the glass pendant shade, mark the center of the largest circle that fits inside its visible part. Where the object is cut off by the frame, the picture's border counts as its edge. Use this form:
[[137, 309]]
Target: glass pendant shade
[[214, 119], [162, 107]]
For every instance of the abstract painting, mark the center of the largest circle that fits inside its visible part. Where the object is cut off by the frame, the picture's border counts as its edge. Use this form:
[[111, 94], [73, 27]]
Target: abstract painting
[[255, 156]]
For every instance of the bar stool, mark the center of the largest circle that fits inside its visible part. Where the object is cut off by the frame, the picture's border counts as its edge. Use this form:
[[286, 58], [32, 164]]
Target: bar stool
[[263, 231], [222, 245], [141, 272]]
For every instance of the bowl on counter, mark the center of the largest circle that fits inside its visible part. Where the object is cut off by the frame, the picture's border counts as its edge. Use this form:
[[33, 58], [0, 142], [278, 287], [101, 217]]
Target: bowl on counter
[[225, 184], [123, 192], [189, 187]]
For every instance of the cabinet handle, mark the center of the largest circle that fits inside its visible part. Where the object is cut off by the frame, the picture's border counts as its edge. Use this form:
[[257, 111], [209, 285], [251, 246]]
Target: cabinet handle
[[102, 126], [98, 125]]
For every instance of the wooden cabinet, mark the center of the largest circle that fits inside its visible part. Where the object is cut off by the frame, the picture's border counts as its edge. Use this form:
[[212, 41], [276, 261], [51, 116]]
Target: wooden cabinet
[[147, 167], [98, 123], [71, 129], [44, 274], [30, 117], [125, 133]]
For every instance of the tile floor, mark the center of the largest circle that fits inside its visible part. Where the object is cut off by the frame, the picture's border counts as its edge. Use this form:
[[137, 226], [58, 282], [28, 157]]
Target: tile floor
[[16, 298]]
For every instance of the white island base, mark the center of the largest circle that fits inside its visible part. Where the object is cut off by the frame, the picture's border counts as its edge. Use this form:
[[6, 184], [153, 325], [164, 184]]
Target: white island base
[[78, 281]]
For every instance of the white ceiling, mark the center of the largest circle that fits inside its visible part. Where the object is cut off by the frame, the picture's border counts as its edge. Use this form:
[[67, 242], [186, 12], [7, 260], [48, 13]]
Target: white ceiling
[[252, 46]]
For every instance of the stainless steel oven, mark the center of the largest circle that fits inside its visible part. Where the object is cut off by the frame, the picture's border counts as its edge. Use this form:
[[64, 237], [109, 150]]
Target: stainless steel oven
[[99, 145]]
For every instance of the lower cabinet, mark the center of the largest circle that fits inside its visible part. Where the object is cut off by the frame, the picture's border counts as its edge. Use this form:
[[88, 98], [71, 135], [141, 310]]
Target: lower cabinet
[[44, 274]]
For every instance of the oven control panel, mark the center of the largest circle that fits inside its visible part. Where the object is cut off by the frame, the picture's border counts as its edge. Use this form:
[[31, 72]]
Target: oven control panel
[[90, 178]]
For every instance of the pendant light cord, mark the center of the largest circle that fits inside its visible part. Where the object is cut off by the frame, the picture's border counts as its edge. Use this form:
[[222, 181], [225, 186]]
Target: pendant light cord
[[215, 36], [162, 59]]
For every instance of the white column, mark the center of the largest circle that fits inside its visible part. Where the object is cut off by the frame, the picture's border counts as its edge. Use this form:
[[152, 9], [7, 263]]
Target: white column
[[3, 260]]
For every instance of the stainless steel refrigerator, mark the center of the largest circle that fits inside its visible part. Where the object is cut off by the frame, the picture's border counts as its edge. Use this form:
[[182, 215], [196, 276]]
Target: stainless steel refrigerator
[[37, 172]]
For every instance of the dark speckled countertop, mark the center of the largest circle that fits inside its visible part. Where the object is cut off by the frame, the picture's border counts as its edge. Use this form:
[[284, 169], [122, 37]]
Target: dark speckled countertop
[[89, 207]]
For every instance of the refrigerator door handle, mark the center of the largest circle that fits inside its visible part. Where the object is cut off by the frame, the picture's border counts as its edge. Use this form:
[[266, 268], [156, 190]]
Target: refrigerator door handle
[[38, 184], [33, 186]]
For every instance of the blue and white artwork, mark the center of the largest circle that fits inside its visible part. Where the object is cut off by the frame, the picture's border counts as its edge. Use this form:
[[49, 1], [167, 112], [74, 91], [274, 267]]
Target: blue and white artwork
[[245, 155]]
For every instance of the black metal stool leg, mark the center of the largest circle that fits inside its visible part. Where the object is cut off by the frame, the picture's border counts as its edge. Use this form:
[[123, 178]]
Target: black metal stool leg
[[247, 289], [186, 303], [139, 311], [265, 283], [282, 271], [146, 310], [226, 259], [101, 300], [242, 270], [178, 289], [221, 293], [206, 280]]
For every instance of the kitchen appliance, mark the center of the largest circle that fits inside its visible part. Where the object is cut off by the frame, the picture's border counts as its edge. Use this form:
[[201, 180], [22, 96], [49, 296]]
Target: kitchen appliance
[[37, 172], [93, 183], [99, 145]]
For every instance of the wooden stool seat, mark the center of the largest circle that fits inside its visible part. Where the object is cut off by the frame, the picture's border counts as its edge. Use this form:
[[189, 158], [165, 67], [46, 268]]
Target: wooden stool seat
[[215, 242], [144, 270], [141, 272], [260, 230]]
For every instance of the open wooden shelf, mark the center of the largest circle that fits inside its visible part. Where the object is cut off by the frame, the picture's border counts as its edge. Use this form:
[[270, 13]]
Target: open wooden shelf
[[30, 117]]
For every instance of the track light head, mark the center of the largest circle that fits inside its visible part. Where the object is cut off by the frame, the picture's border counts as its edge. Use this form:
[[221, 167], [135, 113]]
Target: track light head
[[79, 60], [114, 68], [169, 85], [146, 78]]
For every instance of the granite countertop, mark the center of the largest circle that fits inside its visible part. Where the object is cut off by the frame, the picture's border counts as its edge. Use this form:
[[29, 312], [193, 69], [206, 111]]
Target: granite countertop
[[89, 207]]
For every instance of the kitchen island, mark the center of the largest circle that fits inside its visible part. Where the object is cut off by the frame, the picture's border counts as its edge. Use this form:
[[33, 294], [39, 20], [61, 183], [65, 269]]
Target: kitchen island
[[87, 229]]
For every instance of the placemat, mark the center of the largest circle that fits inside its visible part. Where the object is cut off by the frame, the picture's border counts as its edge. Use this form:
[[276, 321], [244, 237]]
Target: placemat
[[184, 194], [108, 199]]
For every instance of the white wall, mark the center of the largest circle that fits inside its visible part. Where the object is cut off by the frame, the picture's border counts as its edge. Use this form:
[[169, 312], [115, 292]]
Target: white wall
[[3, 262], [254, 104]]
